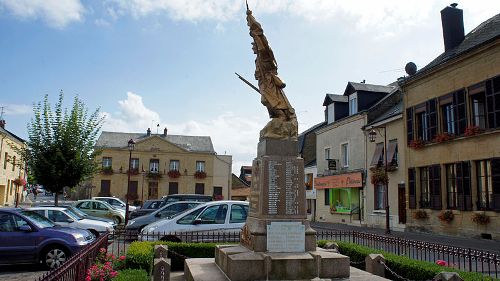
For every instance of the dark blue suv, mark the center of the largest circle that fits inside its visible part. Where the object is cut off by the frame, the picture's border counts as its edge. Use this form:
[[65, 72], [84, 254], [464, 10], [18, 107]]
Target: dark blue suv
[[27, 237]]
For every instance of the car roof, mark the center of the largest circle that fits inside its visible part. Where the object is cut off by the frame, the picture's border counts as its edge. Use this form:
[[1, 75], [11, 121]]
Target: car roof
[[11, 210], [48, 208], [187, 195], [92, 200]]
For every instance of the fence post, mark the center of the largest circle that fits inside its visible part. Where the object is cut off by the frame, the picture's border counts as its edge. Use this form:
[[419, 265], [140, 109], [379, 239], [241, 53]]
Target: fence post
[[161, 251], [470, 259], [161, 269]]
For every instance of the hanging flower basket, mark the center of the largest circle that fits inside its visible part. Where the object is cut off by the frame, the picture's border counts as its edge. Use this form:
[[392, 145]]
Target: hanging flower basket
[[443, 137], [446, 216], [153, 176], [379, 176], [481, 218], [20, 182], [420, 215], [107, 170], [416, 144], [472, 130], [174, 174], [200, 175], [134, 171]]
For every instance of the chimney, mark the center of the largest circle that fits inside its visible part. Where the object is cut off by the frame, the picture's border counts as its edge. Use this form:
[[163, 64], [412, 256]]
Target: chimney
[[2, 124], [165, 132], [452, 20], [148, 132]]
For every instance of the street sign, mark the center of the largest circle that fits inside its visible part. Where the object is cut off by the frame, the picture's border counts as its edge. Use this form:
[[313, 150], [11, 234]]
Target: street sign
[[332, 164]]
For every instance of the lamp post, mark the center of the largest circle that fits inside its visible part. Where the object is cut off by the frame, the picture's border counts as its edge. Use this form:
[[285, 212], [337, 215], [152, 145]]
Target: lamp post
[[131, 145], [372, 136]]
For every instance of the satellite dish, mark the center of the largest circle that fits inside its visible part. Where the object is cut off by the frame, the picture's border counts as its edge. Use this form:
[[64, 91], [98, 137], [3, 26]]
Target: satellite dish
[[411, 68]]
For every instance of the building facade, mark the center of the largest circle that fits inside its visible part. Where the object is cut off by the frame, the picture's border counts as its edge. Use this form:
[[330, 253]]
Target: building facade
[[452, 123], [12, 168], [161, 164]]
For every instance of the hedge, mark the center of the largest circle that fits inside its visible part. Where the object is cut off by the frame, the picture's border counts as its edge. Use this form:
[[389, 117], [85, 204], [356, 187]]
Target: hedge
[[402, 265], [140, 256], [132, 275]]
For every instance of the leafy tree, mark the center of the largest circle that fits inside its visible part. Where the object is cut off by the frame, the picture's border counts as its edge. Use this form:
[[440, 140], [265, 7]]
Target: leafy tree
[[60, 148]]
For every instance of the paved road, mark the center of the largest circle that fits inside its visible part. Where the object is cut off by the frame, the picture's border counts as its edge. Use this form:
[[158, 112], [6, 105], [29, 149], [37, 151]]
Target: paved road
[[21, 272]]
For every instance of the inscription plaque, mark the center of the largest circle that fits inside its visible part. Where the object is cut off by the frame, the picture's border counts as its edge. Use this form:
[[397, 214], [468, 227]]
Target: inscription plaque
[[286, 237]]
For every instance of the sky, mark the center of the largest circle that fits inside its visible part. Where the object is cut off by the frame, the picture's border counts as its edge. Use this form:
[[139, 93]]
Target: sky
[[171, 63]]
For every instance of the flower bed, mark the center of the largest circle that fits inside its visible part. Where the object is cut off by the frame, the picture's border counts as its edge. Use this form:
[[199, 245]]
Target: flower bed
[[106, 267]]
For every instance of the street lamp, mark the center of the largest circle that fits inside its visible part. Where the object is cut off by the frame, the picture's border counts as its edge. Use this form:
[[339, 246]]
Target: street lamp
[[131, 145], [372, 135]]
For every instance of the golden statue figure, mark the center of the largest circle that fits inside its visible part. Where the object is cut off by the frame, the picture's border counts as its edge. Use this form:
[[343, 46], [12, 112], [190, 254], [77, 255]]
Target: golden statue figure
[[283, 124]]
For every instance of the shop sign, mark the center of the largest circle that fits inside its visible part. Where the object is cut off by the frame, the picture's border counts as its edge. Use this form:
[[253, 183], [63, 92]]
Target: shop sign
[[339, 181]]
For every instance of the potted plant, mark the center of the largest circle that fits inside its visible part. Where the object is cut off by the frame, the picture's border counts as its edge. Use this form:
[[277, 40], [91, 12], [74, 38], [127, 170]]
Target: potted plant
[[481, 218], [446, 216], [420, 215], [174, 174], [472, 130], [108, 170], [443, 137], [200, 175], [416, 144], [153, 176], [20, 182], [379, 176]]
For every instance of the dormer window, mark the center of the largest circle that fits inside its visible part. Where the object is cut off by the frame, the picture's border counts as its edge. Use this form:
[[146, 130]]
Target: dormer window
[[353, 104]]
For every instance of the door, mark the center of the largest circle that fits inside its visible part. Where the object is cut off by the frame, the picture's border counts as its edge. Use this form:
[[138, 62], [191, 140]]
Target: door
[[153, 190], [16, 245], [86, 207], [402, 203], [212, 219], [101, 210]]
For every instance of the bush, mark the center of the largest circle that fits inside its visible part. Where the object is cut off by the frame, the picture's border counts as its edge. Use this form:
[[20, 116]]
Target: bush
[[140, 256], [402, 265], [132, 275]]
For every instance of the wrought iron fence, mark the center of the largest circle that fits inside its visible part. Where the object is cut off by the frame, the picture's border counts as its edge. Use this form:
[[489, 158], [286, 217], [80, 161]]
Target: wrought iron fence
[[75, 268]]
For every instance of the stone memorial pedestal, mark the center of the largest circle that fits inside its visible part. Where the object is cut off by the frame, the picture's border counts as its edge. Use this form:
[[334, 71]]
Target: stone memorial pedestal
[[277, 242]]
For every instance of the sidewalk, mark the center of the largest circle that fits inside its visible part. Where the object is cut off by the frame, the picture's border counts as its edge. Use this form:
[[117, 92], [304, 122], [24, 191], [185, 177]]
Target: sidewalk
[[456, 241]]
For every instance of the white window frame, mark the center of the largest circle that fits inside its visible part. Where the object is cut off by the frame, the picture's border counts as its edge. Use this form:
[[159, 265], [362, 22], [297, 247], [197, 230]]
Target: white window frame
[[328, 154], [344, 160], [154, 165], [200, 166], [107, 162], [353, 100], [134, 163], [174, 165], [330, 113]]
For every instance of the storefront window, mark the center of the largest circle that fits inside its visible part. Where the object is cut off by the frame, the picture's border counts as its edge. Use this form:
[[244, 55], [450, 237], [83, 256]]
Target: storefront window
[[344, 200]]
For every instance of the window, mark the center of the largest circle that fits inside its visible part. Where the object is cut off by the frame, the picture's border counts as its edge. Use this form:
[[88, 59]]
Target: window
[[87, 205], [154, 165], [344, 152], [330, 116], [422, 126], [425, 195], [11, 223], [392, 152], [189, 218], [214, 215], [238, 213], [100, 206], [217, 190], [377, 156], [380, 190], [107, 162], [308, 181], [488, 184], [5, 160], [458, 186], [200, 166], [13, 163], [426, 120], [493, 102], [309, 205], [105, 188], [173, 188], [353, 104], [430, 187], [449, 118], [134, 164], [199, 188], [478, 110], [327, 153], [327, 197], [174, 165], [451, 186], [57, 216]]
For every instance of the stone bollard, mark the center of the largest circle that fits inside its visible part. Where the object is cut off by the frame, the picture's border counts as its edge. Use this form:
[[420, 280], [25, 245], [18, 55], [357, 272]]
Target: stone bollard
[[161, 251], [373, 265], [447, 276], [161, 270]]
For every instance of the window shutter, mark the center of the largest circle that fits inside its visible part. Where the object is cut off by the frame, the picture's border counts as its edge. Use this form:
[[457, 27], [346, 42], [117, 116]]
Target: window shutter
[[495, 180], [493, 102], [460, 112], [460, 186], [409, 125], [411, 188], [435, 182], [431, 118]]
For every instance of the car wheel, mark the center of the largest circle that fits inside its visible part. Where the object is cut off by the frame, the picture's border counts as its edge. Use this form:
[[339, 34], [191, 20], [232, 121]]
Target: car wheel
[[171, 238], [117, 220], [54, 257]]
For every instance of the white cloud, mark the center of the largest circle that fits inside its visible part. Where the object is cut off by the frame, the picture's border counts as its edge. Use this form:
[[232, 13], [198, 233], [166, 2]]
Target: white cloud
[[56, 13], [16, 109], [231, 134]]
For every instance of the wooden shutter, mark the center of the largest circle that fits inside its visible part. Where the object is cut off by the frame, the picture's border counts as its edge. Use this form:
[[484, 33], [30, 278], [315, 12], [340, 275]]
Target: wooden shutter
[[412, 188], [435, 186], [409, 125], [464, 193], [493, 102], [431, 116], [173, 188], [495, 180], [460, 112], [105, 188]]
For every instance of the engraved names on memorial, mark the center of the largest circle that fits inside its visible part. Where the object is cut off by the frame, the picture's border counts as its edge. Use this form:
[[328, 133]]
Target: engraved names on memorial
[[274, 187]]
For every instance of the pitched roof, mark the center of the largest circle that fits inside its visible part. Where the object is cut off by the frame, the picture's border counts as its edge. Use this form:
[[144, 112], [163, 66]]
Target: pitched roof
[[12, 135], [330, 98], [484, 33], [237, 183], [301, 137], [354, 87], [189, 143]]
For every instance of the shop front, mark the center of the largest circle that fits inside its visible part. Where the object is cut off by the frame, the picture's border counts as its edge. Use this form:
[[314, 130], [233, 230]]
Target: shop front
[[341, 194]]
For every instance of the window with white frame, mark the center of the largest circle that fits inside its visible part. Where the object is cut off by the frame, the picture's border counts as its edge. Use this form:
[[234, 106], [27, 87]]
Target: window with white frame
[[154, 165], [353, 104], [330, 117], [106, 162], [344, 152], [134, 163], [327, 153], [200, 166], [174, 165]]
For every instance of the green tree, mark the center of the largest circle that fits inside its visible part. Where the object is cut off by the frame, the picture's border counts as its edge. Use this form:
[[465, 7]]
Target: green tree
[[60, 149]]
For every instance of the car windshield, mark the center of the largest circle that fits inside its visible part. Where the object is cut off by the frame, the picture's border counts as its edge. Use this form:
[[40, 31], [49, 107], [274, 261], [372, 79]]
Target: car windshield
[[73, 215], [77, 212], [37, 219]]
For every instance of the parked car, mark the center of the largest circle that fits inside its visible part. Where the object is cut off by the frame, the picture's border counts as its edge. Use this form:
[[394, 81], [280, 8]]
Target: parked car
[[214, 217], [101, 209], [168, 211], [148, 207], [27, 237], [65, 217], [80, 213], [187, 197], [116, 202]]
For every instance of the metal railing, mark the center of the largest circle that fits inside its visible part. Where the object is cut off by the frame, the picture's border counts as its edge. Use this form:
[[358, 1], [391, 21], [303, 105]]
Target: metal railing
[[76, 267]]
